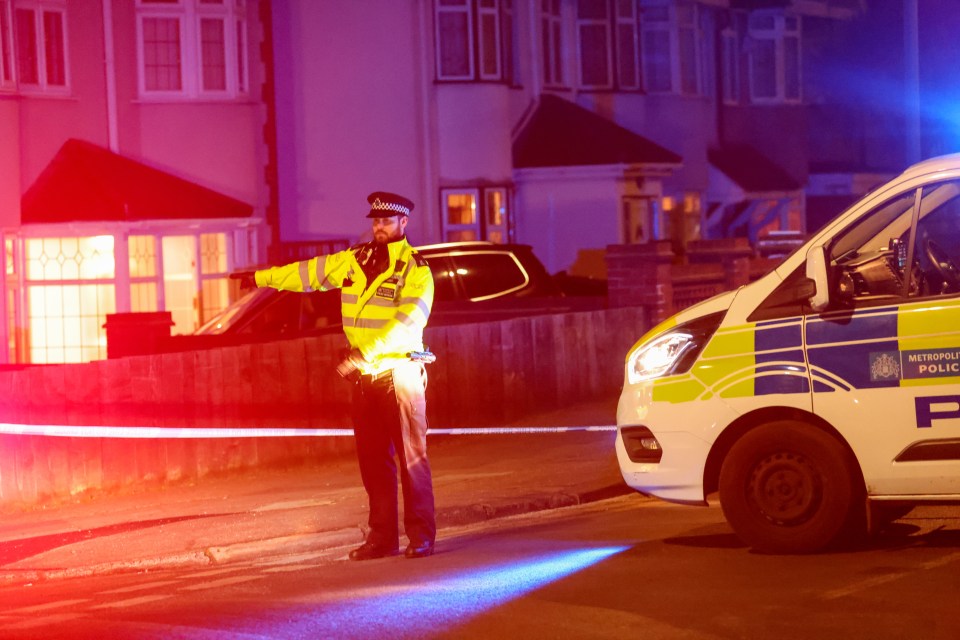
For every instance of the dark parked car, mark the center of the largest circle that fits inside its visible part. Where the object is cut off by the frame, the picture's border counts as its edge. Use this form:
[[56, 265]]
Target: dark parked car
[[475, 281]]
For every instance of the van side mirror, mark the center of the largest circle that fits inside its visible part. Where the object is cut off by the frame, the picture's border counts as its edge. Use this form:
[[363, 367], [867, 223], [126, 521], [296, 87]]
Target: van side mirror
[[806, 289], [819, 276]]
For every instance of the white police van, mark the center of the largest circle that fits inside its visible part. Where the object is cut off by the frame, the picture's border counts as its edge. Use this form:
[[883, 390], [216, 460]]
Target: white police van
[[823, 396]]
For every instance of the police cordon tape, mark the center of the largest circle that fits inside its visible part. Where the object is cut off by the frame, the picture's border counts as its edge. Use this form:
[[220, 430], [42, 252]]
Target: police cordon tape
[[148, 433]]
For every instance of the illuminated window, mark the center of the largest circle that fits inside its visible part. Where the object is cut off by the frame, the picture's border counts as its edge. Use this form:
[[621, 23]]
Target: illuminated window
[[87, 258], [9, 257], [670, 47], [460, 217], [774, 57], [640, 222], [13, 331], [192, 48], [214, 282], [476, 214], [213, 253], [70, 291], [142, 251], [33, 52], [496, 209], [474, 40], [11, 306]]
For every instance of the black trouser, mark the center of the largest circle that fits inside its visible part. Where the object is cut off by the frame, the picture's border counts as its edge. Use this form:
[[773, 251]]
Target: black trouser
[[389, 418]]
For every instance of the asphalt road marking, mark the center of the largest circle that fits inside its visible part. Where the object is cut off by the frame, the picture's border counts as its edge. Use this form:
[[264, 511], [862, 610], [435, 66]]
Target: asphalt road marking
[[226, 582], [876, 581], [57, 619], [48, 606], [215, 572], [140, 587], [130, 602], [292, 504], [289, 568]]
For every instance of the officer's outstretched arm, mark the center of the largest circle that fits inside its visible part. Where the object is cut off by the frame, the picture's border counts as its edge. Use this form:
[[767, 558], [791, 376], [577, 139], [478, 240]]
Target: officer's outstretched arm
[[320, 273]]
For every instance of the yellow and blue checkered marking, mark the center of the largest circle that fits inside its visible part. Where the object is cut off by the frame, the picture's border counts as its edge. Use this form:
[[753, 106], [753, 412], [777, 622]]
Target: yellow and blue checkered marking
[[888, 346]]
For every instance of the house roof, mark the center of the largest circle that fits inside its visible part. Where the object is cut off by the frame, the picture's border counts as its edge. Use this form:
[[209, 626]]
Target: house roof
[[561, 133], [750, 169], [87, 183]]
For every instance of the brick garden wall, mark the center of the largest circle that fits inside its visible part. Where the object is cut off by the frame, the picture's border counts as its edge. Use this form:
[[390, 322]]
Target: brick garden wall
[[486, 374]]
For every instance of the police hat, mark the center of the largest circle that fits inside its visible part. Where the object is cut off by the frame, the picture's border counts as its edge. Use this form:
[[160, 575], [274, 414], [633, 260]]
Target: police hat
[[385, 205]]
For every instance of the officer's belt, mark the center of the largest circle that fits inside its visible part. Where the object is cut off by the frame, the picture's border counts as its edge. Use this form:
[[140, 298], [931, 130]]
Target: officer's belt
[[368, 378]]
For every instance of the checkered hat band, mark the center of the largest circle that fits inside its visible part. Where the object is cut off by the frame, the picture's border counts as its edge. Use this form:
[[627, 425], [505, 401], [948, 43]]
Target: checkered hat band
[[379, 205]]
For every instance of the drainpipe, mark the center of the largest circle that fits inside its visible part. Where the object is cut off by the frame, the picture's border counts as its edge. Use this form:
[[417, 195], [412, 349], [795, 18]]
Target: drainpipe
[[911, 50], [269, 97], [110, 77]]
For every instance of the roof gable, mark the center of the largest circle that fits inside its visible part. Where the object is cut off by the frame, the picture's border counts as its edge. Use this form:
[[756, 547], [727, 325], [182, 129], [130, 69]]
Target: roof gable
[[750, 170], [87, 183], [561, 133]]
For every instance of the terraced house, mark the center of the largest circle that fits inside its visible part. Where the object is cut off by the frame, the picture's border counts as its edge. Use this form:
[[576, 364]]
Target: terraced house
[[151, 147]]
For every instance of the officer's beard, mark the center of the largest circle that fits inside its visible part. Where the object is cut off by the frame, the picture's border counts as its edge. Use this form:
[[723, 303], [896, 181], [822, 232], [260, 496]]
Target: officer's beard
[[380, 237]]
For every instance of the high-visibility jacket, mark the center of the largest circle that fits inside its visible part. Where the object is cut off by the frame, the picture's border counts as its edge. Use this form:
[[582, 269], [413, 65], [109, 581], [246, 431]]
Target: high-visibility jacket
[[384, 318]]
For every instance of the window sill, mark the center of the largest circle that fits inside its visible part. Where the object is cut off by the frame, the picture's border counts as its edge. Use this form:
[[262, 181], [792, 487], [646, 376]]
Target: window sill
[[34, 95], [195, 101]]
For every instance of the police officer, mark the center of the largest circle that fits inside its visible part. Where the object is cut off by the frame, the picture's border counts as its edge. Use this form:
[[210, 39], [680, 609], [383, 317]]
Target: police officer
[[386, 297]]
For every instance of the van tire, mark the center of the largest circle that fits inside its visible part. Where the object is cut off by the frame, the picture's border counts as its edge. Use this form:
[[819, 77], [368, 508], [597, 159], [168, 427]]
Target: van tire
[[787, 487]]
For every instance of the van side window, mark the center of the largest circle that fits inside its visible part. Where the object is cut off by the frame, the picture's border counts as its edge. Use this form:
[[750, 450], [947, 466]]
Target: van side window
[[870, 259], [938, 240]]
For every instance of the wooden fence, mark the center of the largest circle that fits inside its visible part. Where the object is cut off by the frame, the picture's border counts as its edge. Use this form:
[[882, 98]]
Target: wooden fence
[[486, 374]]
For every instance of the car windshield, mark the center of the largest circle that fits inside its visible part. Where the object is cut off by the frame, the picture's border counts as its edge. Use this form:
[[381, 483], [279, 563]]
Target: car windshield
[[223, 321]]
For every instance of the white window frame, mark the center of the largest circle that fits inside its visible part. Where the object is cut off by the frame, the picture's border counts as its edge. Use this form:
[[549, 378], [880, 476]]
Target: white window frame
[[623, 22], [583, 24], [189, 15], [779, 35], [489, 9], [551, 43], [674, 25], [464, 7], [487, 33], [12, 79], [480, 226], [730, 65], [508, 40], [8, 64]]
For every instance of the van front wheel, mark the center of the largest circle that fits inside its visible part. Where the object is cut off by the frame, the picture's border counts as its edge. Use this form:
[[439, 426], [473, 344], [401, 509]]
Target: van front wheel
[[787, 487]]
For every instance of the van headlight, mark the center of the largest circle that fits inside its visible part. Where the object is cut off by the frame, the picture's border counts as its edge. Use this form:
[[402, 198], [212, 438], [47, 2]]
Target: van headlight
[[672, 352], [657, 358]]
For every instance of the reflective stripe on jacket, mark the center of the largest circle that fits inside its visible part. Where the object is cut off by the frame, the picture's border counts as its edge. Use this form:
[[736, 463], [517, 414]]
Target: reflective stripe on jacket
[[385, 319]]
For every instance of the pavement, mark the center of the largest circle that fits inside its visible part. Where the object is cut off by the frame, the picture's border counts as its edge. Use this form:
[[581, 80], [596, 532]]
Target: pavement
[[252, 514]]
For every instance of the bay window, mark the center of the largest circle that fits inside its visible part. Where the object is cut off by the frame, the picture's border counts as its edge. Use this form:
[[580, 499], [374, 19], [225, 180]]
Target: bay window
[[730, 65], [33, 47], [6, 47], [671, 49], [607, 45], [474, 40], [594, 43], [551, 34], [774, 57], [192, 48]]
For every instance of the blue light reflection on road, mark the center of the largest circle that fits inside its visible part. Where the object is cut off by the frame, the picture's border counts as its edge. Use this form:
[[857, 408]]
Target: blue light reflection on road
[[417, 610]]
